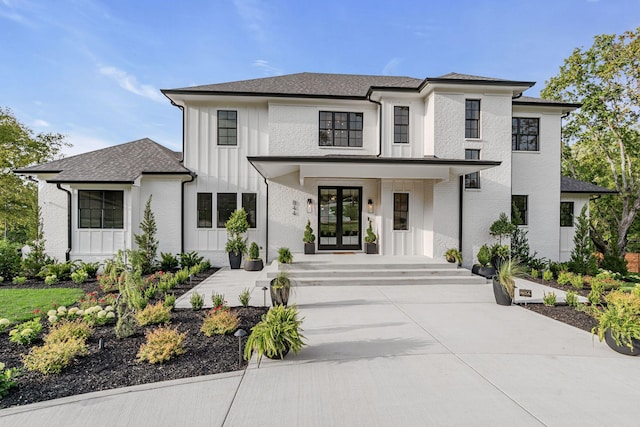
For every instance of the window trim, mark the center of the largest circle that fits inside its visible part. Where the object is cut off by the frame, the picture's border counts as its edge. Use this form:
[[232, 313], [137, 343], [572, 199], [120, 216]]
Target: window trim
[[333, 130], [394, 211], [226, 128], [524, 213], [102, 210], [401, 125], [477, 120], [518, 134], [477, 186], [573, 213], [210, 210]]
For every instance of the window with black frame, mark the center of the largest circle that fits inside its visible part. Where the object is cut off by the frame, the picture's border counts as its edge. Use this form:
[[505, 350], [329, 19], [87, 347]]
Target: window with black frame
[[524, 134], [340, 129], [227, 127], [520, 210], [100, 209], [472, 180], [472, 118], [400, 125], [226, 205], [566, 214], [249, 205], [400, 211], [205, 214]]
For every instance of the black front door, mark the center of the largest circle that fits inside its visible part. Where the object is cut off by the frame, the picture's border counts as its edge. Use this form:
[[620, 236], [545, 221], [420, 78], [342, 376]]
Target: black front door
[[340, 218]]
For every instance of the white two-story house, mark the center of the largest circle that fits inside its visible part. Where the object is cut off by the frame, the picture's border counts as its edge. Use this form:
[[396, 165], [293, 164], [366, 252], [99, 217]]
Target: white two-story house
[[430, 162]]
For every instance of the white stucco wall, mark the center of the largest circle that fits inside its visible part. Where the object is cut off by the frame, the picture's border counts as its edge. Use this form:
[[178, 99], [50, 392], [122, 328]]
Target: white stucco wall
[[165, 205], [567, 233], [415, 147], [403, 242], [53, 205]]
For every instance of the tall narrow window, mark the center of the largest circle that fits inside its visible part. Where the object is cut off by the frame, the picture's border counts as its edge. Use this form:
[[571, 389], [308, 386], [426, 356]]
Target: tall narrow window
[[100, 209], [472, 180], [566, 214], [227, 127], [249, 205], [205, 217], [401, 125], [520, 210], [340, 129], [472, 118], [226, 206], [400, 211], [524, 134]]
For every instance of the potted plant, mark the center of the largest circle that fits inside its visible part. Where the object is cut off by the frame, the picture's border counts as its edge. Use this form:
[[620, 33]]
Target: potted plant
[[504, 283], [279, 289], [236, 246], [483, 268], [309, 238], [254, 262], [284, 256], [276, 334], [370, 246], [453, 255], [619, 322], [499, 254]]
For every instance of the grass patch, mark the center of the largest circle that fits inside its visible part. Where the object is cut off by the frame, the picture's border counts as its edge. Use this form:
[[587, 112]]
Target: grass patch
[[19, 305]]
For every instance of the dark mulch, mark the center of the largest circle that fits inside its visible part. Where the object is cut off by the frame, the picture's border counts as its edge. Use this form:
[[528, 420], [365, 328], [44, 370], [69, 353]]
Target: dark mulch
[[115, 366], [566, 314], [553, 284]]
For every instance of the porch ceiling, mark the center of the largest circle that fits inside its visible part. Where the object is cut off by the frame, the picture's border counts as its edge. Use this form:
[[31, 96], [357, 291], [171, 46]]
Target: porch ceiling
[[367, 167]]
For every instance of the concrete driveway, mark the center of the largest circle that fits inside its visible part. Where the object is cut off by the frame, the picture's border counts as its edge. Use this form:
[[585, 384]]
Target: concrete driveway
[[390, 356]]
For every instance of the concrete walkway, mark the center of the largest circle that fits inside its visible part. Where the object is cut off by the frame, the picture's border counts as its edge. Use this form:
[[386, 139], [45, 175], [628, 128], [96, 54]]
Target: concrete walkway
[[428, 355]]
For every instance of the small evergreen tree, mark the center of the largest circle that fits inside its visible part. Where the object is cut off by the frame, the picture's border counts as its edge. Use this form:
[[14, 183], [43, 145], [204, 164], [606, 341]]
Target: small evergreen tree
[[582, 259], [501, 228], [37, 258], [147, 243]]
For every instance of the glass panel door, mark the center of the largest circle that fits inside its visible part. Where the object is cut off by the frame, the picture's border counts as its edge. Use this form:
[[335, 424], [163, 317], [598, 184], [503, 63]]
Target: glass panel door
[[340, 218]]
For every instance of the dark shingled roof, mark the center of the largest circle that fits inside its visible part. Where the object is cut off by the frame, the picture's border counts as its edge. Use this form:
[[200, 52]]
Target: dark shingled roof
[[121, 163], [332, 85], [571, 185], [529, 100]]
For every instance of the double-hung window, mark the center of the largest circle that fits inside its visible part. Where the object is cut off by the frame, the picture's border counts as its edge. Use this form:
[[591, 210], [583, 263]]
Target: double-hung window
[[566, 214], [400, 125], [340, 129], [100, 209], [227, 203], [472, 118], [400, 211], [205, 214], [524, 134], [520, 210], [227, 127], [472, 180]]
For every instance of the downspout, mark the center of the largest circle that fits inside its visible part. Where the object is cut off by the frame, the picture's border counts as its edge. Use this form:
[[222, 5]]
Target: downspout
[[460, 200], [193, 177], [67, 255], [379, 124], [266, 228]]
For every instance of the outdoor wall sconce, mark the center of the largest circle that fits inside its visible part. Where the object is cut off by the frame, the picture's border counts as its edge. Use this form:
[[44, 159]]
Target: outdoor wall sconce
[[370, 205], [309, 205]]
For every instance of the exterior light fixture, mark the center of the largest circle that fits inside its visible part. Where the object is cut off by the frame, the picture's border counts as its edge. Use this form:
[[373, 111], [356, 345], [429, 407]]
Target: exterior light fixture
[[370, 205], [240, 333], [309, 205], [264, 293]]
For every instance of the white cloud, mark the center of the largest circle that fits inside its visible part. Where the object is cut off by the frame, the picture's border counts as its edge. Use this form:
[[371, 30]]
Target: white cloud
[[267, 69], [130, 83], [40, 123], [254, 17], [391, 67]]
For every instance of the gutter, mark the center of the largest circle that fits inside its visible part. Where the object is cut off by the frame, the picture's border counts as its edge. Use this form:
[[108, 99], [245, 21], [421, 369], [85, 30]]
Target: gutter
[[67, 255], [460, 202], [379, 123], [193, 177]]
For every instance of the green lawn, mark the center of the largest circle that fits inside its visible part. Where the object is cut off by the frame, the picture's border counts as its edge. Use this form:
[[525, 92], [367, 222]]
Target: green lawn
[[19, 305]]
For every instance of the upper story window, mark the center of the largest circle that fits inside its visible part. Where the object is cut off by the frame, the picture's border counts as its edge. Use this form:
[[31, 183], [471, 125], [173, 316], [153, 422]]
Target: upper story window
[[566, 214], [524, 134], [520, 210], [227, 127], [400, 125], [472, 118], [100, 209], [339, 129], [472, 180]]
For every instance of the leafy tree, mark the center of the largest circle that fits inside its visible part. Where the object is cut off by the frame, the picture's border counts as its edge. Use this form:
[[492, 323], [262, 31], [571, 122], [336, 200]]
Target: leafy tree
[[19, 148], [582, 259], [147, 242], [602, 138]]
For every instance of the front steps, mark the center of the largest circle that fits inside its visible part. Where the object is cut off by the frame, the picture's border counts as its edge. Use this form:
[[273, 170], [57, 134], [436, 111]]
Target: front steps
[[375, 272]]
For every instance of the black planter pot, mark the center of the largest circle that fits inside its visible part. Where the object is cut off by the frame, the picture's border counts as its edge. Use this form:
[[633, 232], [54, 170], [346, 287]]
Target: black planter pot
[[371, 248], [622, 349], [309, 248], [277, 356], [497, 261], [487, 272], [475, 268], [235, 259], [499, 293], [253, 265], [279, 296]]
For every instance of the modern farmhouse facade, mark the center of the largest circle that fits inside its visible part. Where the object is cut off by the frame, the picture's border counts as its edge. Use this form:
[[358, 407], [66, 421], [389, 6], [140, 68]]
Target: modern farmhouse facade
[[431, 163]]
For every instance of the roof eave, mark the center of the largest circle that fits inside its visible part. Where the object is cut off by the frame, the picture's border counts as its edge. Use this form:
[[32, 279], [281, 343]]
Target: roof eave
[[168, 92]]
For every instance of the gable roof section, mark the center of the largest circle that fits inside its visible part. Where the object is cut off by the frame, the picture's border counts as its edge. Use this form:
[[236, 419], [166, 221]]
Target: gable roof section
[[571, 185], [118, 164]]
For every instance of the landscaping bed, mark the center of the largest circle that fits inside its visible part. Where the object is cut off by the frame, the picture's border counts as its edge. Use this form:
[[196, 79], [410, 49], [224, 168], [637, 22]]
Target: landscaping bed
[[115, 365], [565, 314]]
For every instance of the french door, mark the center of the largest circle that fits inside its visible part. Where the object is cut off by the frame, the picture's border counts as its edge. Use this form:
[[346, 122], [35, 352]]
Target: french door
[[339, 217]]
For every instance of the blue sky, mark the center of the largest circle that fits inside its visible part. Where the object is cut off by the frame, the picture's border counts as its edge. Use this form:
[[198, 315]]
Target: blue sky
[[92, 70]]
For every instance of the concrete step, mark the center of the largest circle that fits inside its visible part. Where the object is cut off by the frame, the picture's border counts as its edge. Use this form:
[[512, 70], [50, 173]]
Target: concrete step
[[381, 281], [360, 272], [367, 266]]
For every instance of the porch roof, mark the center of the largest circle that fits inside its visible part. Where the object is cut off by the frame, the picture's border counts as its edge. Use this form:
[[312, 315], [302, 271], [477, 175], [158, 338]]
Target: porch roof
[[350, 166]]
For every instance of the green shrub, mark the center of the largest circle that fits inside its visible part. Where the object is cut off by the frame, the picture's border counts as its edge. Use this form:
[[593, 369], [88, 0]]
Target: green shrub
[[181, 276], [25, 333], [189, 259], [205, 265], [150, 292], [10, 259], [7, 377], [96, 315], [597, 290], [62, 270], [284, 256], [615, 263], [244, 297], [4, 324], [19, 280], [169, 301], [219, 322], [534, 273], [66, 330], [547, 275], [79, 276], [577, 281], [168, 262], [91, 268], [51, 280], [254, 251], [621, 316], [196, 300], [549, 299], [277, 332], [571, 298], [564, 278], [52, 357], [154, 314], [161, 345], [484, 255], [217, 300]]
